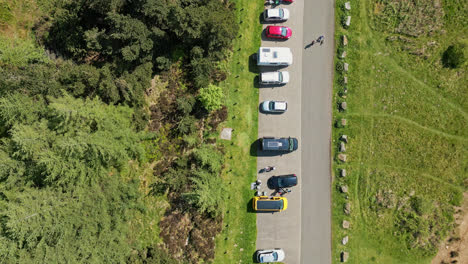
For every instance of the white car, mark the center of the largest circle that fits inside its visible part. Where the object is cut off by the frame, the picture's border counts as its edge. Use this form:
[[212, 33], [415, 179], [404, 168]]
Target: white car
[[277, 77], [270, 255], [274, 106], [276, 14]]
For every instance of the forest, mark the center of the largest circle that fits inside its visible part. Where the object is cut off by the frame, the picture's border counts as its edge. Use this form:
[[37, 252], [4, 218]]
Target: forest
[[106, 90]]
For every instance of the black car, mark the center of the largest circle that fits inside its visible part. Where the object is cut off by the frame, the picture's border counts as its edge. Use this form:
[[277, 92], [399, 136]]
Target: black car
[[283, 181], [279, 144]]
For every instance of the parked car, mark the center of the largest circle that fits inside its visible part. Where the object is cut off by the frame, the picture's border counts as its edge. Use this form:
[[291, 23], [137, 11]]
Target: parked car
[[276, 14], [279, 144], [270, 255], [278, 32], [283, 181], [274, 106], [270, 204], [274, 56], [274, 78]]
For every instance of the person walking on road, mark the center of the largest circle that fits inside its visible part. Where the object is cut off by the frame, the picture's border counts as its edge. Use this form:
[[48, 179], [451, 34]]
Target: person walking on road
[[320, 40]]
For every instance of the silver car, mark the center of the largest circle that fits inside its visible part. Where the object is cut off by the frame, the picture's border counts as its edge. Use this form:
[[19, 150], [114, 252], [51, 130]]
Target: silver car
[[276, 14], [270, 255], [274, 106]]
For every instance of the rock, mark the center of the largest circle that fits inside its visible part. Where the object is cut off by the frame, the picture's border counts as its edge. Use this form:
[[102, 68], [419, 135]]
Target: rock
[[344, 138], [347, 208], [343, 106], [345, 40], [348, 21], [345, 66], [345, 224], [412, 193], [226, 133], [345, 240], [343, 55], [343, 122], [343, 172], [345, 79], [342, 157], [344, 189], [344, 256], [347, 5], [342, 147]]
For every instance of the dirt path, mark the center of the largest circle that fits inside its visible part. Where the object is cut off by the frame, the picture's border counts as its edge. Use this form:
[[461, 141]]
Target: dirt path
[[457, 243]]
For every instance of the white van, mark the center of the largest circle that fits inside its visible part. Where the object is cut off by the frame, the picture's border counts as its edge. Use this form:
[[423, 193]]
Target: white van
[[274, 78], [277, 56]]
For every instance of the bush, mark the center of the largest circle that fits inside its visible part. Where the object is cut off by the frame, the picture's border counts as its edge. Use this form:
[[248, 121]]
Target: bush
[[454, 56], [211, 97]]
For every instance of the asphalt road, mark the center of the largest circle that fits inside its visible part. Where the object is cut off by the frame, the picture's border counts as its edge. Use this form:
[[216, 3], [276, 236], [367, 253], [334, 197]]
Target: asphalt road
[[304, 229]]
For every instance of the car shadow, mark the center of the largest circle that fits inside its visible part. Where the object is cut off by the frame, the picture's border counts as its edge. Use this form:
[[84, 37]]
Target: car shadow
[[256, 82], [254, 257], [250, 206], [255, 151], [268, 85], [253, 68]]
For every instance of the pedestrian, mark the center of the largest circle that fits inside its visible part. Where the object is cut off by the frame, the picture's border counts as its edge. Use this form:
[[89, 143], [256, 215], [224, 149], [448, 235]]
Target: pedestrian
[[312, 43], [320, 39]]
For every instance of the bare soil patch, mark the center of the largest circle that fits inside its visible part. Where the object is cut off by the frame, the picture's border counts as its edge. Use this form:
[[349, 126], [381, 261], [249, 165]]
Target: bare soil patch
[[455, 248]]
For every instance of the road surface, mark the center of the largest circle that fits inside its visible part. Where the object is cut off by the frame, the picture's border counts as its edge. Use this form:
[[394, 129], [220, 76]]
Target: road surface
[[304, 229]]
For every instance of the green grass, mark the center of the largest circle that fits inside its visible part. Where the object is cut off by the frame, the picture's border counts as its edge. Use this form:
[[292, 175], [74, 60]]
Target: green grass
[[236, 242], [407, 118]]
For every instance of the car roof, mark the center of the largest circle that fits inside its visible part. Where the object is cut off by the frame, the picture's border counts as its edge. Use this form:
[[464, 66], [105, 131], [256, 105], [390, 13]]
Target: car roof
[[280, 105], [274, 12], [267, 204], [275, 29], [270, 76]]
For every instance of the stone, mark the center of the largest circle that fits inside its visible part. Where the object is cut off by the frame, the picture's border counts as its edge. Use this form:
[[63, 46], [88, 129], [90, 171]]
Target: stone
[[345, 40], [343, 55], [344, 189], [226, 133], [342, 157], [347, 208], [345, 79], [345, 240], [343, 172], [347, 5], [348, 21], [346, 66], [343, 106], [344, 256], [344, 138], [346, 224], [343, 122], [342, 147]]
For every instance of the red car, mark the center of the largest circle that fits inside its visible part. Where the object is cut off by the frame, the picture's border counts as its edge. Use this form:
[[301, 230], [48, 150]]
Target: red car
[[279, 32]]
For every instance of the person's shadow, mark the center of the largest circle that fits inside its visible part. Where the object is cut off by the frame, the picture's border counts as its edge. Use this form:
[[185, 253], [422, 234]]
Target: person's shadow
[[309, 45]]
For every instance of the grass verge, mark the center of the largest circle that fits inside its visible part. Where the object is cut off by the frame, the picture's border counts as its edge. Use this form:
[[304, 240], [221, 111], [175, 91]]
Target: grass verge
[[406, 127], [236, 242]]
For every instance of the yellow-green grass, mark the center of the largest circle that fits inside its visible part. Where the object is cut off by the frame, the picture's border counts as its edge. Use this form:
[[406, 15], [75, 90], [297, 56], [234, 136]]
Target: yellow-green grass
[[236, 242], [407, 118]]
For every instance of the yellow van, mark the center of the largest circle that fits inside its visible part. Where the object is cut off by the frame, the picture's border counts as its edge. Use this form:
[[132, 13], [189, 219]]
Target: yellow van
[[270, 204]]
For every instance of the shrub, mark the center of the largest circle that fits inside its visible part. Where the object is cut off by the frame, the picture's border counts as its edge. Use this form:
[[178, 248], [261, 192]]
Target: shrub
[[211, 97], [454, 56]]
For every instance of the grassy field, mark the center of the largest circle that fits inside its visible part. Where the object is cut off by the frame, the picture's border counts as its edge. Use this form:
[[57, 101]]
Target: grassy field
[[406, 122], [236, 243]]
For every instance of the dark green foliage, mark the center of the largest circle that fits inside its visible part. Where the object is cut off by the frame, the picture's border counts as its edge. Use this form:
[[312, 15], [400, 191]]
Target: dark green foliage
[[128, 33], [209, 158], [69, 142], [207, 194], [454, 56]]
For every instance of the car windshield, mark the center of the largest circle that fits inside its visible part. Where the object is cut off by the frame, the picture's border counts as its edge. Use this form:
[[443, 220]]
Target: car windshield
[[284, 32], [272, 105], [280, 77], [291, 147], [281, 12]]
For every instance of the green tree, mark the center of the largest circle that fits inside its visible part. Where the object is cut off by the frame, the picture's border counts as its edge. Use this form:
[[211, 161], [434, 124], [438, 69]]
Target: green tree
[[211, 97], [208, 193]]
